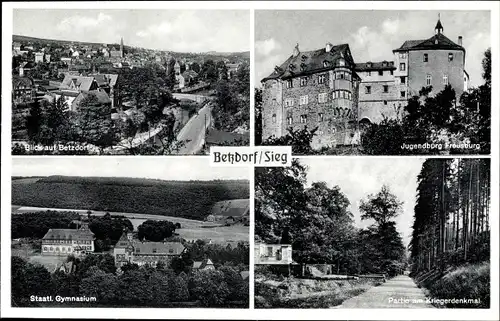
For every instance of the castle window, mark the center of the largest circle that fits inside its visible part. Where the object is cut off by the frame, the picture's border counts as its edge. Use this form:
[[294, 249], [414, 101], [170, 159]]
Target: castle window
[[428, 80], [320, 117], [402, 55], [445, 79], [170, 251], [289, 83], [369, 73], [303, 119], [325, 63], [154, 250], [380, 72], [45, 249], [321, 79], [385, 102], [386, 88], [304, 100], [368, 89], [403, 80], [450, 56], [274, 118], [303, 81], [402, 66], [392, 72], [288, 102], [350, 96], [274, 102], [403, 94], [426, 57], [341, 62], [322, 98], [289, 120]]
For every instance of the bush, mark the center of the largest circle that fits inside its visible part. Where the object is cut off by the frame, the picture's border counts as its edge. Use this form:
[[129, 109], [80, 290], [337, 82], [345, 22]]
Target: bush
[[209, 287]]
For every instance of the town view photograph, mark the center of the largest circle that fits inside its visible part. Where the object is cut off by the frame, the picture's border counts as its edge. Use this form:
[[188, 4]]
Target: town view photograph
[[373, 82], [348, 233], [129, 82], [104, 232]]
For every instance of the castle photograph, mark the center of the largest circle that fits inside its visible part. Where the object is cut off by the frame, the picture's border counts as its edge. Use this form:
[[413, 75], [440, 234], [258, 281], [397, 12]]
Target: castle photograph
[[397, 83]]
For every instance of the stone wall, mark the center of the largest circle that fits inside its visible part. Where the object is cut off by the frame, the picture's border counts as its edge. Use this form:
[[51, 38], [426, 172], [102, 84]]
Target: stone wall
[[436, 66]]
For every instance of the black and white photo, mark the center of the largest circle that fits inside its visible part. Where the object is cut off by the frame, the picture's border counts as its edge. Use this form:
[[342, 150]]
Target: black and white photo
[[349, 234], [373, 82]]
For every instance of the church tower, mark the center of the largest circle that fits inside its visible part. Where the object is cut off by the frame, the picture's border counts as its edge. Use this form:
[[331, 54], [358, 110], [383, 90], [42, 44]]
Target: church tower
[[121, 48]]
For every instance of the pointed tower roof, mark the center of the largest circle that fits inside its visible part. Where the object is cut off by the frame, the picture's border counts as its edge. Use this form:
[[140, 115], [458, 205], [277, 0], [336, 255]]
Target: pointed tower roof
[[439, 27]]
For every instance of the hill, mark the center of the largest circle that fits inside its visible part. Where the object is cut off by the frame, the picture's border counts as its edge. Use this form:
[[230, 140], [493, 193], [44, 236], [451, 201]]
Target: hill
[[234, 208], [188, 199], [61, 42]]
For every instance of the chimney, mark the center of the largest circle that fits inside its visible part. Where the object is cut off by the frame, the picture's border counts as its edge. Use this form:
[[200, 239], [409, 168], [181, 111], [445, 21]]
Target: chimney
[[460, 40], [296, 50], [328, 47]]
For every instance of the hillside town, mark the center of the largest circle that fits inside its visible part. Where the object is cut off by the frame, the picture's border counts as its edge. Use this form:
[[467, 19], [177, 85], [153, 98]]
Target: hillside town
[[155, 251], [71, 97]]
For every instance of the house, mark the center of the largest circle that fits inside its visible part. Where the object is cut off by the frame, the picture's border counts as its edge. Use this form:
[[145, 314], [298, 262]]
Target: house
[[66, 60], [38, 57], [66, 267], [206, 264], [187, 78], [78, 83], [245, 274], [221, 138], [76, 242], [16, 46], [25, 68], [128, 250], [230, 211], [232, 69], [23, 89]]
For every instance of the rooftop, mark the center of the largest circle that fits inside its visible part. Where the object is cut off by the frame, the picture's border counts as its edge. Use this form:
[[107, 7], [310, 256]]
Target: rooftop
[[82, 234], [308, 62]]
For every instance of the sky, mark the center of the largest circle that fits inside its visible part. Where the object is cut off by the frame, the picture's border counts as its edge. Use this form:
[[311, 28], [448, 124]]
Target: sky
[[359, 177], [371, 35], [172, 168], [172, 30]]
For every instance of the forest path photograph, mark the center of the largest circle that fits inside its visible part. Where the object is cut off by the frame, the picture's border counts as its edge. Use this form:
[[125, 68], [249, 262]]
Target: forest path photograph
[[373, 233]]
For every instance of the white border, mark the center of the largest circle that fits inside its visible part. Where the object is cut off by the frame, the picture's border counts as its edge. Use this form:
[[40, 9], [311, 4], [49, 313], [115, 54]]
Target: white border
[[354, 314]]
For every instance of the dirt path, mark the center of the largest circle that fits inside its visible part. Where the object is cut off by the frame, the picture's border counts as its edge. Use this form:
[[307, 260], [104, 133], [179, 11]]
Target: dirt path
[[399, 292]]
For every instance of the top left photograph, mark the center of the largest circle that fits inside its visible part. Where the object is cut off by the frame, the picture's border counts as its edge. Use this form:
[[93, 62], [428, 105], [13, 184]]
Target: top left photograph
[[129, 82]]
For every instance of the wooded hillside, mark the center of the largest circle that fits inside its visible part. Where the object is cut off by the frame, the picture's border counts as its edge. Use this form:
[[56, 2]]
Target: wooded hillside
[[188, 199]]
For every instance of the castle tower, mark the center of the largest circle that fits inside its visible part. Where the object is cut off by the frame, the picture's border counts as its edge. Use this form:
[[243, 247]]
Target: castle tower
[[439, 27]]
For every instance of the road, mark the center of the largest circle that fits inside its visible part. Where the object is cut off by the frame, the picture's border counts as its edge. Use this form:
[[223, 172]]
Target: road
[[399, 292], [193, 133]]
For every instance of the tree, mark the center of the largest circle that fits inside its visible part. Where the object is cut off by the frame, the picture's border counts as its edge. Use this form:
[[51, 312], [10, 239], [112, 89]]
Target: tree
[[155, 231], [209, 287], [99, 284], [94, 124], [299, 139], [381, 207], [195, 67]]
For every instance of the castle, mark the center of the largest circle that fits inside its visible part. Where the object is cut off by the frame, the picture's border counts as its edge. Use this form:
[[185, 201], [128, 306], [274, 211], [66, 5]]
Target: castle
[[326, 89]]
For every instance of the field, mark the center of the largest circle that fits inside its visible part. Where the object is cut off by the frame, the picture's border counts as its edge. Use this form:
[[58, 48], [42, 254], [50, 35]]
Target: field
[[190, 229], [183, 199]]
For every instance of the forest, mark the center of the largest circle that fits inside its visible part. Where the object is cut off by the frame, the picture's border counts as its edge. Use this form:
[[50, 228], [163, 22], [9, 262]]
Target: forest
[[166, 285], [189, 199], [318, 224], [450, 245]]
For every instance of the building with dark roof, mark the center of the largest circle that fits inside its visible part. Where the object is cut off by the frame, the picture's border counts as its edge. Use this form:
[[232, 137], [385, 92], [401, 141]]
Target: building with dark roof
[[64, 242], [206, 264], [313, 89], [128, 250]]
